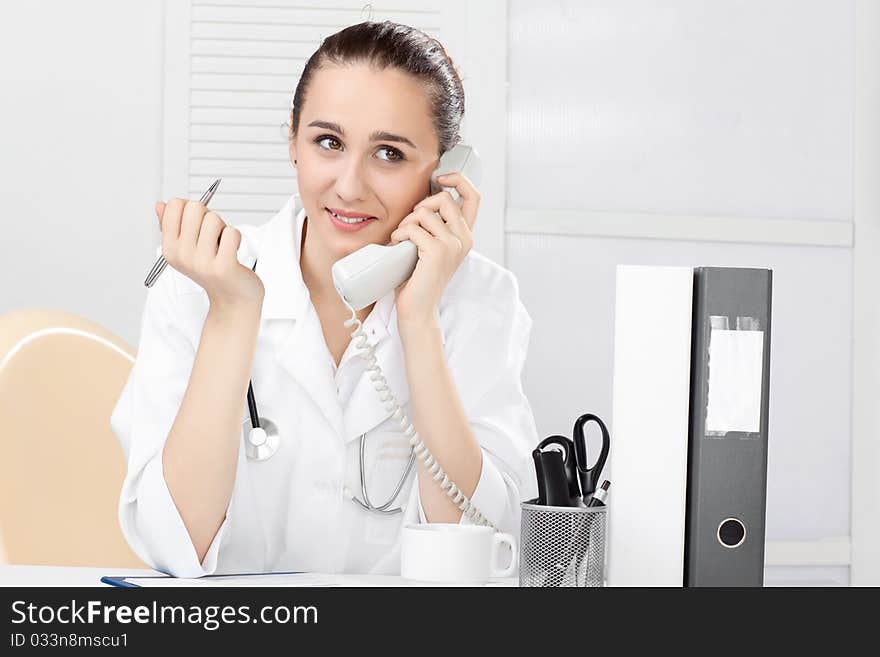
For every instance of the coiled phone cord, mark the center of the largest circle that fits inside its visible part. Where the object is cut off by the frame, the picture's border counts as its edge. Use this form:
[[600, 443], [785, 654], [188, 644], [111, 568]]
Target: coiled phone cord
[[368, 353]]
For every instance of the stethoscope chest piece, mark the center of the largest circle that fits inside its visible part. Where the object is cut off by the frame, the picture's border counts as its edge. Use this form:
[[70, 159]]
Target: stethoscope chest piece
[[260, 443]]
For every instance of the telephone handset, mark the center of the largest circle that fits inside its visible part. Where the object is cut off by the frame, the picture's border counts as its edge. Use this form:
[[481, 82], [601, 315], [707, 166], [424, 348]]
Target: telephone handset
[[369, 273]]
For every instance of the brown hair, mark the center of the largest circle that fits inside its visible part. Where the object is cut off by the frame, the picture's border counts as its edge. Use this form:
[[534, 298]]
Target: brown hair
[[388, 44]]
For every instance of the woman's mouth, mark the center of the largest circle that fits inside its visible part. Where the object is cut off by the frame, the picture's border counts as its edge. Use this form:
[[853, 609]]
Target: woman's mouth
[[348, 221]]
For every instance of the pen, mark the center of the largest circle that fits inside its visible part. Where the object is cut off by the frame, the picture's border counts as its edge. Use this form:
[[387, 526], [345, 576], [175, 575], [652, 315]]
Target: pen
[[600, 495], [159, 267]]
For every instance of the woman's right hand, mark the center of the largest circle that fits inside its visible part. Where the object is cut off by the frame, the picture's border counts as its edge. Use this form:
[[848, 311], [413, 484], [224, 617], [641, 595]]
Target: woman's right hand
[[199, 244]]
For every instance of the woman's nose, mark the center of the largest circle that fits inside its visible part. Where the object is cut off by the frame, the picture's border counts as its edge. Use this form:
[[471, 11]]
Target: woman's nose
[[350, 183]]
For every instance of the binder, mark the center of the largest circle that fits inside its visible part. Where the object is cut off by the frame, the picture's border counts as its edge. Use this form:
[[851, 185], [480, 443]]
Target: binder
[[727, 433], [648, 457]]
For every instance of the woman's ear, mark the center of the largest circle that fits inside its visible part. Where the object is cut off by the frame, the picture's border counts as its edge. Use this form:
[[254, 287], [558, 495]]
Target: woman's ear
[[292, 149]]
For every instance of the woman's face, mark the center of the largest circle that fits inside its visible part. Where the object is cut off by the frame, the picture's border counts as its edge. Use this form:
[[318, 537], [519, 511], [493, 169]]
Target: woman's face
[[365, 147]]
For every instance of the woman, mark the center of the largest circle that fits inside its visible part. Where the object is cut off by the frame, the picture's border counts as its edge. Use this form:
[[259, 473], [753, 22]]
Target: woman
[[376, 106]]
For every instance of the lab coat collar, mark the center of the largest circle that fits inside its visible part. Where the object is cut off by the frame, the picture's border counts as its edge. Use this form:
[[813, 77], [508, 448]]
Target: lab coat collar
[[365, 410], [278, 266]]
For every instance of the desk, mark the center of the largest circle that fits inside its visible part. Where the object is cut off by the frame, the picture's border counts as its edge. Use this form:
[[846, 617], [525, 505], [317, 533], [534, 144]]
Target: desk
[[63, 575], [11, 575]]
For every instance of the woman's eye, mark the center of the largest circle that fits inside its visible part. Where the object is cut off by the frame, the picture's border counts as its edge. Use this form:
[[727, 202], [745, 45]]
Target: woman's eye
[[330, 143], [390, 154]]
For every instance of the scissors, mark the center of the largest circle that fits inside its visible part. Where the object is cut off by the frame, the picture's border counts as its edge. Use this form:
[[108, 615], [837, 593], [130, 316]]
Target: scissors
[[589, 477], [570, 464]]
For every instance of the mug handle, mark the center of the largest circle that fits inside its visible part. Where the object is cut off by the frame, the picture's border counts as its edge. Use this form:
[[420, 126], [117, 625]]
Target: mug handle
[[499, 539]]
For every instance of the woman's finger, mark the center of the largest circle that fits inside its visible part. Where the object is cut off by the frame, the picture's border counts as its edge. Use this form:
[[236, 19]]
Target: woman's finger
[[159, 208], [417, 235], [439, 229], [449, 211], [433, 223], [209, 236], [191, 223], [424, 217], [470, 197], [230, 239], [171, 221]]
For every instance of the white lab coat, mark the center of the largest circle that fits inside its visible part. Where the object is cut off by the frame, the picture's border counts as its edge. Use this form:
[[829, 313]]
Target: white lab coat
[[290, 512]]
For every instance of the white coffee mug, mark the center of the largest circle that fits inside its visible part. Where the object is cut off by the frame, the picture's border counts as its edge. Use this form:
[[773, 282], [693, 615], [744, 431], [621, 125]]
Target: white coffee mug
[[448, 552]]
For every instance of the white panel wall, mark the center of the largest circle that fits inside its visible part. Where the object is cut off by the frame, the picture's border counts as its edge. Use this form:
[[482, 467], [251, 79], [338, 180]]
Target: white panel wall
[[80, 156], [685, 107], [652, 111]]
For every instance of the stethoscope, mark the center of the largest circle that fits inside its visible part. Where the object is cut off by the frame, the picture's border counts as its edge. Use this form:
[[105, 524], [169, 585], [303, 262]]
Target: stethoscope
[[262, 441], [261, 435]]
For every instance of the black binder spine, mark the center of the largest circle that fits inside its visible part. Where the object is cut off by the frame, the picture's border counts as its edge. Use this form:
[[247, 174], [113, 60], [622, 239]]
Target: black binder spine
[[728, 427]]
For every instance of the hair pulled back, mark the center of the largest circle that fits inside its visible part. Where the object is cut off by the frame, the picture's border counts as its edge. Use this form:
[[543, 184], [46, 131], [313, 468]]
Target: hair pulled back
[[386, 44]]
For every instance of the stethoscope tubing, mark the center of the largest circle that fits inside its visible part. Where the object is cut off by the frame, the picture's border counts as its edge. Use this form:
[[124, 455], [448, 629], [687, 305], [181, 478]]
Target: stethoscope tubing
[[251, 399], [252, 406], [366, 503]]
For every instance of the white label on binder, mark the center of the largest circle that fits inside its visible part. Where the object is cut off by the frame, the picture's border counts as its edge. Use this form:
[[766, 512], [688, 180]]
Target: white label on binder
[[736, 368]]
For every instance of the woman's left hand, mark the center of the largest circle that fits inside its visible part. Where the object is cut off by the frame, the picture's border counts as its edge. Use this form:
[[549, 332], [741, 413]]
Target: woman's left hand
[[442, 232]]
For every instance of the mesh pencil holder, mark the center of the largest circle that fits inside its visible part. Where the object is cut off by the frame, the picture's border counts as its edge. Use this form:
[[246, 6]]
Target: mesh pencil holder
[[561, 545]]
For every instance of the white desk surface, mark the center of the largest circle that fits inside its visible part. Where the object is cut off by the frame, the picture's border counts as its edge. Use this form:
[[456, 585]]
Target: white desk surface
[[14, 575]]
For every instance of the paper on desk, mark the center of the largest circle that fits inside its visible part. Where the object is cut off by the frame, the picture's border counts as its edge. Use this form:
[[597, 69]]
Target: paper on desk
[[269, 579], [297, 580]]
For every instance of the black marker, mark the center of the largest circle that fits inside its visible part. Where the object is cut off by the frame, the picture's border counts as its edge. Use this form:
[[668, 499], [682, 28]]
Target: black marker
[[600, 495]]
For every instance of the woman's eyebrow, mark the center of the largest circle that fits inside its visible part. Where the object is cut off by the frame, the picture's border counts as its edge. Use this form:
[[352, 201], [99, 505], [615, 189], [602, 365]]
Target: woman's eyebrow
[[387, 136], [335, 127], [379, 135]]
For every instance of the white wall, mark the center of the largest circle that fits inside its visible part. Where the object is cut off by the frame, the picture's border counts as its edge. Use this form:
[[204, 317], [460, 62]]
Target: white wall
[[80, 156], [666, 115]]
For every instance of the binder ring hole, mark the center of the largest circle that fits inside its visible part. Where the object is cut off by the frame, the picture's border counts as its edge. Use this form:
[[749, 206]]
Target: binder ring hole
[[731, 533]]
